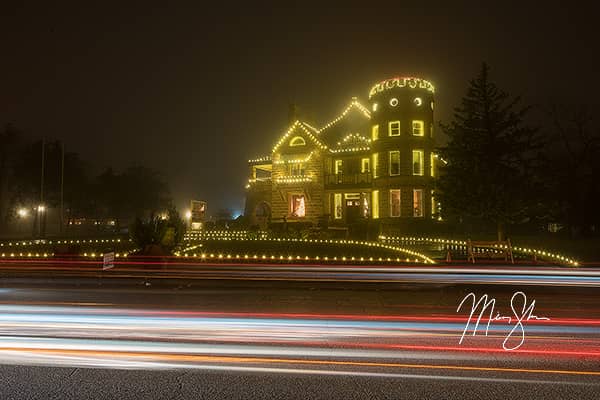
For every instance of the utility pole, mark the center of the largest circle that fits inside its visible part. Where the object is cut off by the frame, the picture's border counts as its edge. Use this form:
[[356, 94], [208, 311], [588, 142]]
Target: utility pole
[[39, 207], [62, 185]]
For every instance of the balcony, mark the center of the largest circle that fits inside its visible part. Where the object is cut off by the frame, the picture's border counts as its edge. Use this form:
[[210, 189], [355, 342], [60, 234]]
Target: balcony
[[350, 180], [258, 184]]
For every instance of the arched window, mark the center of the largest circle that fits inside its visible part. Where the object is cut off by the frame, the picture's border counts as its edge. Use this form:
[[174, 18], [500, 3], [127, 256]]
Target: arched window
[[297, 141]]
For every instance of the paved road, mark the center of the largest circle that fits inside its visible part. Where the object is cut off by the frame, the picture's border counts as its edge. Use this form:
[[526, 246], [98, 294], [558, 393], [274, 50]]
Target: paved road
[[410, 273], [77, 337], [22, 382]]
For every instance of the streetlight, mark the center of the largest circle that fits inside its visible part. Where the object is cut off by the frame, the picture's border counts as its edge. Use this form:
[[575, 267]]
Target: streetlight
[[188, 214], [22, 212], [41, 208]]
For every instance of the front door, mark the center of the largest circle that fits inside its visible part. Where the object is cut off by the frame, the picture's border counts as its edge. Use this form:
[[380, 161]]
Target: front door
[[353, 209]]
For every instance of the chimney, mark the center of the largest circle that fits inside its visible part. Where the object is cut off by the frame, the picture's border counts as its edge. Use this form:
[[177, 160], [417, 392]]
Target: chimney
[[292, 113]]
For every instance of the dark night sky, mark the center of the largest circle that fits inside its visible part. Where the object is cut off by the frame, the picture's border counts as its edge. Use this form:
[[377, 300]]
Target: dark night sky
[[195, 92]]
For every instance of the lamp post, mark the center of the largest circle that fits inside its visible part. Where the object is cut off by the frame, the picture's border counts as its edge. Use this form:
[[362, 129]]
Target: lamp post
[[41, 208], [40, 217], [62, 186], [41, 211]]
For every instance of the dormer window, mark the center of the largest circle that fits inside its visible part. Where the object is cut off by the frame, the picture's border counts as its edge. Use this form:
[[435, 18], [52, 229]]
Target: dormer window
[[296, 169], [297, 141]]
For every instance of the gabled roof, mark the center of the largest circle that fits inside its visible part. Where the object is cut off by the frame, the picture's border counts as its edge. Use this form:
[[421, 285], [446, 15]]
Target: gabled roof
[[305, 130], [354, 105], [355, 118], [314, 134], [310, 127]]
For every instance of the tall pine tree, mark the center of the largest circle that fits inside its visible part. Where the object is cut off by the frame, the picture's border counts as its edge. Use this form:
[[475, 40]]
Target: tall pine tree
[[490, 155]]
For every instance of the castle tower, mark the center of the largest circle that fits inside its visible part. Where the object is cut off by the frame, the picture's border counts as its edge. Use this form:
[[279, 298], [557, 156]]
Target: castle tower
[[402, 148]]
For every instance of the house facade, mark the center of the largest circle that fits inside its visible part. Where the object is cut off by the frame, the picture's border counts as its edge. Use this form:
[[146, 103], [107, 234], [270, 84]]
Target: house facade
[[373, 161]]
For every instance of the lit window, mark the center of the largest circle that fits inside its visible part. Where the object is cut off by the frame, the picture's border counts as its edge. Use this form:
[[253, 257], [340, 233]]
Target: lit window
[[375, 164], [338, 166], [394, 128], [432, 105], [394, 162], [374, 107], [337, 206], [418, 128], [297, 206], [297, 141], [417, 202], [375, 132], [432, 164], [375, 203], [395, 203], [418, 101], [393, 102], [417, 159], [365, 165], [296, 169]]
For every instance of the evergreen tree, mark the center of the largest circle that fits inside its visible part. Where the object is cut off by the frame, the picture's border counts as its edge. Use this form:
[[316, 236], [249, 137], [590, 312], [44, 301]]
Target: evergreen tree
[[489, 157]]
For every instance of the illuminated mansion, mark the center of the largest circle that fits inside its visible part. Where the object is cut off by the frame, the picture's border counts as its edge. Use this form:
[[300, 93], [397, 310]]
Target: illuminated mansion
[[371, 162]]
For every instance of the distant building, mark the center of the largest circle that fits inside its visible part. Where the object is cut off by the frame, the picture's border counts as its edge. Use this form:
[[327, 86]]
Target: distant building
[[369, 162], [197, 214]]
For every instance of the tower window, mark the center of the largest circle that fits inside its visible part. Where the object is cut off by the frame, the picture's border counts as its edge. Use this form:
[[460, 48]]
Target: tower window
[[418, 128], [418, 101], [394, 162], [393, 102], [417, 159], [394, 128], [374, 107], [395, 203]]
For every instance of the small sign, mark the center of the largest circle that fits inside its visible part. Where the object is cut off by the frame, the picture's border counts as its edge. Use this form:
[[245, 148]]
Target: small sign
[[109, 261]]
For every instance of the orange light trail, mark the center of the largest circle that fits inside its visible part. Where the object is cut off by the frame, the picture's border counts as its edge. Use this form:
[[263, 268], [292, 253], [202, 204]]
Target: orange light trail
[[295, 361]]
